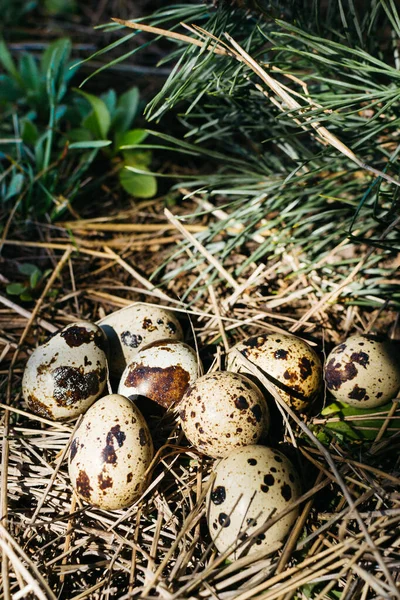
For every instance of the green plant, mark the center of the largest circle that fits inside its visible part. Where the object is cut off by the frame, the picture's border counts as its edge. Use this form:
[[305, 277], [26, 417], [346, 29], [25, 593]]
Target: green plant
[[33, 281], [273, 173], [113, 117], [50, 135]]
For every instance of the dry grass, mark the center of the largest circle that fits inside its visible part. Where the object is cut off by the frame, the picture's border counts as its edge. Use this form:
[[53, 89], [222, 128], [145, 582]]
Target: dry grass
[[346, 541]]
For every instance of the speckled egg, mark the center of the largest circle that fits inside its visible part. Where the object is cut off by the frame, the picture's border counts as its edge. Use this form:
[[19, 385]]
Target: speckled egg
[[222, 411], [130, 329], [290, 361], [64, 376], [251, 485], [363, 371], [161, 371], [110, 453]]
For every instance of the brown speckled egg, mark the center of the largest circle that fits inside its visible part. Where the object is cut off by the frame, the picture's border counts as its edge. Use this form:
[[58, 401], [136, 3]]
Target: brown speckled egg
[[64, 376], [289, 360], [130, 329], [110, 453], [161, 371], [363, 371], [251, 485], [222, 411]]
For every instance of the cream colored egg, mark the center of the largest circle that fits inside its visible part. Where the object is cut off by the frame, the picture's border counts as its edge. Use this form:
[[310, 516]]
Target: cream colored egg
[[130, 329], [251, 485], [161, 371], [110, 453], [64, 376], [363, 371], [294, 367], [222, 411]]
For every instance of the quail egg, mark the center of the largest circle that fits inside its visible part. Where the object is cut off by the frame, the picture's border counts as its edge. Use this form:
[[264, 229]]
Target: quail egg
[[363, 371], [294, 367], [161, 371], [133, 327], [222, 411], [251, 485], [64, 376], [110, 453]]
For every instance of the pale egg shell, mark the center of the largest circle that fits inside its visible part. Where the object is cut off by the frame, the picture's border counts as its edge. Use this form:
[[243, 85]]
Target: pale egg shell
[[64, 376], [222, 411], [363, 371], [161, 371], [287, 359], [110, 453], [130, 329], [251, 485]]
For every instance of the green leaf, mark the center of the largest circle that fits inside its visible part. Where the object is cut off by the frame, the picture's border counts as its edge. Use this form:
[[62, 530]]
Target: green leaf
[[27, 268], [15, 186], [35, 278], [127, 107], [130, 139], [30, 74], [89, 144], [29, 132], [8, 63], [79, 134], [26, 296], [15, 289], [110, 100], [101, 115], [57, 53], [139, 185], [137, 158]]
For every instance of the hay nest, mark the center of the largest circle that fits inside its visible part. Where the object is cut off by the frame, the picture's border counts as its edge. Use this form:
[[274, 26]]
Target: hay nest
[[345, 543]]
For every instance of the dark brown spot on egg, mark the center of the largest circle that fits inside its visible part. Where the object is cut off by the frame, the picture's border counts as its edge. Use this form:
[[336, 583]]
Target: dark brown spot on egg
[[336, 374], [215, 526], [171, 327], [264, 488], [281, 354], [45, 366], [164, 386], [286, 492], [72, 385], [119, 435], [182, 415], [104, 481], [379, 395], [73, 449], [361, 358], [129, 477], [241, 403], [224, 520], [148, 325], [75, 336], [132, 340], [269, 479], [358, 393], [277, 458], [39, 407], [255, 341], [252, 461], [142, 437], [257, 412], [218, 495], [108, 455], [305, 367], [83, 486]]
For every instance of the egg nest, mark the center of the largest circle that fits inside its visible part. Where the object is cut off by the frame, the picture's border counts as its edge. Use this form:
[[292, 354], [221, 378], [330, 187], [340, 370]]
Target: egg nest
[[345, 540]]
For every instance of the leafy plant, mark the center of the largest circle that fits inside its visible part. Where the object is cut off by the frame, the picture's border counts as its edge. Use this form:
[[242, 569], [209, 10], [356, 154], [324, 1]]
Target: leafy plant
[[33, 282], [51, 133], [113, 117]]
